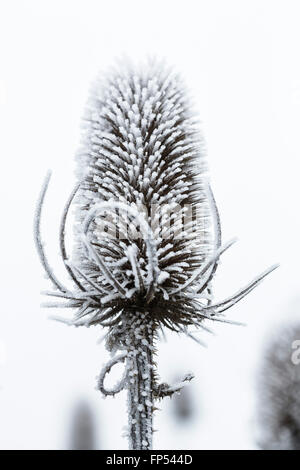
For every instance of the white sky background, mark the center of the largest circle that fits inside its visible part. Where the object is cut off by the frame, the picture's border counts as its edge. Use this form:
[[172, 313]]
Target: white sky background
[[241, 61]]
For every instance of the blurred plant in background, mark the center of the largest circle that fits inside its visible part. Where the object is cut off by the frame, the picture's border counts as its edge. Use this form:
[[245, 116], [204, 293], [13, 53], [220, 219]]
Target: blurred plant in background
[[83, 431], [184, 405], [279, 391]]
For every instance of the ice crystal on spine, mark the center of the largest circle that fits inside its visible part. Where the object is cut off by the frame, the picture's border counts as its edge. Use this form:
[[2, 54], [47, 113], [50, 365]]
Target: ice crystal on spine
[[147, 234]]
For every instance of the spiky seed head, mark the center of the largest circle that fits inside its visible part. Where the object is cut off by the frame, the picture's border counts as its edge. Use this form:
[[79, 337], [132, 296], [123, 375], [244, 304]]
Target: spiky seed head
[[144, 194]]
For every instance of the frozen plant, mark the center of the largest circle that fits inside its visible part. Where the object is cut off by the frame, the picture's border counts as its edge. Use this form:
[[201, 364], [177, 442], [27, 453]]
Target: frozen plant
[[147, 232], [278, 391]]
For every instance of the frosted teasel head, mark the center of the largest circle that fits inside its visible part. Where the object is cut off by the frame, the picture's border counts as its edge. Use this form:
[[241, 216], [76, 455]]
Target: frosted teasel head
[[139, 265], [141, 148]]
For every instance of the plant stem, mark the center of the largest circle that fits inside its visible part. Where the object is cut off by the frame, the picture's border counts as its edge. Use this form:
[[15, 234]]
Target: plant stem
[[140, 387]]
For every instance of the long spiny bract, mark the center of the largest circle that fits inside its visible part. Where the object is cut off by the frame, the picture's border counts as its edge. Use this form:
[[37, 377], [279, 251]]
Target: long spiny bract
[[147, 234]]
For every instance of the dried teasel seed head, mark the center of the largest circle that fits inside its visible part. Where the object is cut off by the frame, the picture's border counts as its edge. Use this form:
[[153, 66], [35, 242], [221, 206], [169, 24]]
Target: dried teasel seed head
[[148, 235], [144, 202], [147, 232]]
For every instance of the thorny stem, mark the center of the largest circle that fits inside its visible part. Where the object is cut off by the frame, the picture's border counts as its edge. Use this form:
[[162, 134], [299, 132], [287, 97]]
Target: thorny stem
[[140, 386], [139, 377]]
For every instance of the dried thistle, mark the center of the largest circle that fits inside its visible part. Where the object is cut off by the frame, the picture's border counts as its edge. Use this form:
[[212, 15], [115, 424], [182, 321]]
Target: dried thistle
[[147, 236], [278, 409]]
